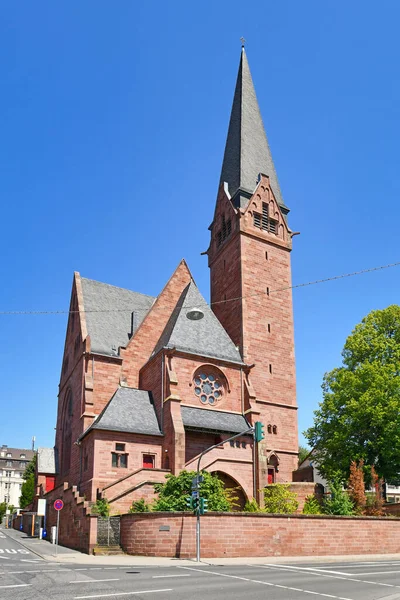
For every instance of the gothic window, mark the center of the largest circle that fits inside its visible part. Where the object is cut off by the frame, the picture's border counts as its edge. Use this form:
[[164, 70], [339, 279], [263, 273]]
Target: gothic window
[[67, 432], [264, 221], [208, 386]]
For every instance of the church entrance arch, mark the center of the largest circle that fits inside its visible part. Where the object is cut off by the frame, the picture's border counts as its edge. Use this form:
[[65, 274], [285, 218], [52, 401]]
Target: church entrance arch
[[237, 490]]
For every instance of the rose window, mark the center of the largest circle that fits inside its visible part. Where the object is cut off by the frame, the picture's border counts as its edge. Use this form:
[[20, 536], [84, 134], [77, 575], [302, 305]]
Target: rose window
[[208, 388]]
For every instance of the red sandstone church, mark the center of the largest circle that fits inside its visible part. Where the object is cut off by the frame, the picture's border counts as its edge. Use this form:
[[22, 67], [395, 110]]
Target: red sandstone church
[[148, 383]]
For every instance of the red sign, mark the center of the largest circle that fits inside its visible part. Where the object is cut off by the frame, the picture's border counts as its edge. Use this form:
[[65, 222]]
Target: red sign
[[58, 504]]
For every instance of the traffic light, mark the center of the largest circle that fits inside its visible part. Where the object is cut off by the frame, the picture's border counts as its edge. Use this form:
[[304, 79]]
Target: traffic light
[[203, 505], [259, 431], [189, 503], [195, 503]]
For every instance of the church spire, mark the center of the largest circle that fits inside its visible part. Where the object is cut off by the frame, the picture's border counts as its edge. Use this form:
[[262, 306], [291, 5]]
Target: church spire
[[247, 151]]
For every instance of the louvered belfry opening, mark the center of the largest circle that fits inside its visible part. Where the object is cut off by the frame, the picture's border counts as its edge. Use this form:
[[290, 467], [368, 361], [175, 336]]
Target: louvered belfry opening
[[263, 221], [225, 230]]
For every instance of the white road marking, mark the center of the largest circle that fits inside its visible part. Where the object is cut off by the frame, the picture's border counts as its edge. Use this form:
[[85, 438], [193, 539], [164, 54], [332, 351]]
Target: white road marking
[[310, 569], [5, 557], [285, 587], [164, 576], [374, 573], [30, 561], [122, 594], [329, 576], [15, 585], [93, 580]]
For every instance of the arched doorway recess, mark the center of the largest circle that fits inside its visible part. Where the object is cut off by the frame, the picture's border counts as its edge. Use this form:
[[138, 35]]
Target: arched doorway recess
[[235, 487]]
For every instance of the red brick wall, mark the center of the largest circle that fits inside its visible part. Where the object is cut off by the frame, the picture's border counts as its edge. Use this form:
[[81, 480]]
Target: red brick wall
[[245, 535], [78, 529], [135, 445]]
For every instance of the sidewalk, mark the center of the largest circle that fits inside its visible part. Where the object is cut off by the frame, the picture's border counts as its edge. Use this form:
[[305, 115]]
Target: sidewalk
[[47, 551]]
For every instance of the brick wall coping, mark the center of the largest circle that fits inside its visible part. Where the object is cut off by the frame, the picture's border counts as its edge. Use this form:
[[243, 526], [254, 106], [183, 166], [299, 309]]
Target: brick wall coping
[[164, 514]]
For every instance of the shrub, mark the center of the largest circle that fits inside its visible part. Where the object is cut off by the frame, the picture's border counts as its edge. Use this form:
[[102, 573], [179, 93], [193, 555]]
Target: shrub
[[356, 486], [140, 506], [311, 506], [252, 506], [279, 499], [173, 493], [101, 507], [374, 504], [339, 503]]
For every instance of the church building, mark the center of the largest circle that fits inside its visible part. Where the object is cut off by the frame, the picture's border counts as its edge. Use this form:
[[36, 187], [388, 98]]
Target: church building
[[148, 383]]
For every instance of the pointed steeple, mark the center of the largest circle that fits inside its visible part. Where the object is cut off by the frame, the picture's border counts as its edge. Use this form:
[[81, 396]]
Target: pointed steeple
[[247, 151]]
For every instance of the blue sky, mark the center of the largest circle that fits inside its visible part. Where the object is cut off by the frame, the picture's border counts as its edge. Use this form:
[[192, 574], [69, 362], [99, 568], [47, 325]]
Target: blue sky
[[113, 123]]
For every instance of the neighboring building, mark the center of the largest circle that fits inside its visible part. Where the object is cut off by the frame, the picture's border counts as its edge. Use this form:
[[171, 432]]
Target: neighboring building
[[148, 383], [13, 462], [308, 471], [45, 470]]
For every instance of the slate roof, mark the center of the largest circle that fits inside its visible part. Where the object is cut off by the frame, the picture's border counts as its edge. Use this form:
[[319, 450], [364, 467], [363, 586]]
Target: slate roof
[[247, 152], [46, 461], [205, 337], [110, 323], [128, 411], [213, 420]]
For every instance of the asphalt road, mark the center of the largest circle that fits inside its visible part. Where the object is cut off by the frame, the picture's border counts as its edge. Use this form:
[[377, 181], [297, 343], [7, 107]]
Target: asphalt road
[[25, 576]]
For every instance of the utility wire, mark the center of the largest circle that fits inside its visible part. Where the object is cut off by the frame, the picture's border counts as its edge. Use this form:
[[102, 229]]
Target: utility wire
[[264, 293]]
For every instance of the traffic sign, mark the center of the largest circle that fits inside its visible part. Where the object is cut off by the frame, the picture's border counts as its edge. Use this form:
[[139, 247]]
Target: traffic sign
[[58, 504]]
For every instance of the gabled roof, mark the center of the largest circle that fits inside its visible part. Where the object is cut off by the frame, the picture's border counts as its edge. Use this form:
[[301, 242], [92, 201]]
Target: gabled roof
[[213, 420], [108, 311], [204, 337], [129, 411], [247, 151]]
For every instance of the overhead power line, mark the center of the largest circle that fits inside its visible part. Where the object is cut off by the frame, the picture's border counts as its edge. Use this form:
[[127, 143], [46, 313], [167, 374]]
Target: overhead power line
[[263, 293]]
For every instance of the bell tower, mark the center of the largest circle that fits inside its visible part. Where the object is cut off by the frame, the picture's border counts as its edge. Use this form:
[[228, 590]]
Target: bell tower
[[249, 260]]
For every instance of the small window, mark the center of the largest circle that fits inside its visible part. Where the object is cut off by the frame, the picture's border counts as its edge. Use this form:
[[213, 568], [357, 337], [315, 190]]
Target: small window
[[148, 461], [267, 291], [270, 368], [119, 460], [274, 429], [269, 428], [269, 327], [22, 456], [9, 455], [120, 447], [8, 473], [257, 220], [9, 463], [22, 465]]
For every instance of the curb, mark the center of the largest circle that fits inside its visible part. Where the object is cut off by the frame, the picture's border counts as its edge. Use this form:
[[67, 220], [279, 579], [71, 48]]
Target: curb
[[44, 557]]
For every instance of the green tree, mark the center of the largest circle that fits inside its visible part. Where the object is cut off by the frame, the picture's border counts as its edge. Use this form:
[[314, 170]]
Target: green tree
[[359, 417], [140, 506], [303, 453], [101, 507], [312, 506], [28, 487], [4, 506], [173, 493]]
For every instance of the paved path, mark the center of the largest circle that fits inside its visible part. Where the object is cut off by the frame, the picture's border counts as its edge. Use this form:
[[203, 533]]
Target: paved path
[[24, 575]]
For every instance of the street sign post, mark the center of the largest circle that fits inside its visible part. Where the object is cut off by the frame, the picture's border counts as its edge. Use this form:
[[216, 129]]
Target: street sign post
[[58, 506]]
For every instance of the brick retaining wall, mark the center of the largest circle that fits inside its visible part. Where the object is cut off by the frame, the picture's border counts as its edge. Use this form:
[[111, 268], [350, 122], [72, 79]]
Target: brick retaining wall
[[240, 535]]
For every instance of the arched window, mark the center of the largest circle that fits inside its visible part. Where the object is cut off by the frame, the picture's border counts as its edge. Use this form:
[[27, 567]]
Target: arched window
[[67, 432]]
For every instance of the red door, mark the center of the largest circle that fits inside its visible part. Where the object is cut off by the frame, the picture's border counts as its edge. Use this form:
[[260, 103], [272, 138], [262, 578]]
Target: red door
[[271, 476], [148, 461]]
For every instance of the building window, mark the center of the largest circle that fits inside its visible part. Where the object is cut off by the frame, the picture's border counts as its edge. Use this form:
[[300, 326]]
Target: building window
[[208, 387], [148, 461], [9, 463], [22, 456], [120, 447], [8, 455], [263, 221], [8, 473], [22, 464], [269, 328], [119, 460]]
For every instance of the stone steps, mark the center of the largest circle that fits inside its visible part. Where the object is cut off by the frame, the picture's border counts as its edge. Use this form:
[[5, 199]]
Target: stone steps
[[108, 551]]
